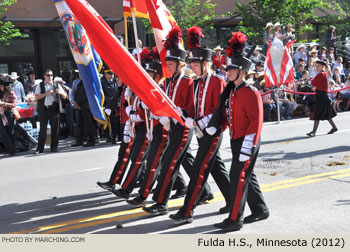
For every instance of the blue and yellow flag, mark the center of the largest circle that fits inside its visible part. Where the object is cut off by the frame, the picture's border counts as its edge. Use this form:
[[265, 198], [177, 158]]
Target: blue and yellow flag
[[87, 59]]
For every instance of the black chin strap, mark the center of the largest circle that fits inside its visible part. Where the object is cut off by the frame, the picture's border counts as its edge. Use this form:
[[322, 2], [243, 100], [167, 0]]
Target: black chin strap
[[201, 68], [239, 73], [177, 66]]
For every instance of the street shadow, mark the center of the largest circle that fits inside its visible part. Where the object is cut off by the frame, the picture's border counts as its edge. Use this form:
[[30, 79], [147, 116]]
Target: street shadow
[[295, 156], [342, 202], [284, 140], [157, 226], [17, 217]]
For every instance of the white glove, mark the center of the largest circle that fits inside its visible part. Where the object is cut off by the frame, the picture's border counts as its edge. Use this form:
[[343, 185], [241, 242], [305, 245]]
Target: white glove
[[151, 116], [203, 123], [128, 110], [165, 122], [128, 93], [126, 136], [211, 131], [143, 105], [189, 123], [135, 118], [243, 158], [247, 147], [108, 111], [179, 111], [174, 120]]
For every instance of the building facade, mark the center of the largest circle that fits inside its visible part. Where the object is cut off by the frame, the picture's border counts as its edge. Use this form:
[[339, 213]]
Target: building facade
[[46, 45]]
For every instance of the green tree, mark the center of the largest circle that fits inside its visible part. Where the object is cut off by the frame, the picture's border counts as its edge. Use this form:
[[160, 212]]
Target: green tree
[[299, 13], [188, 13], [341, 21], [7, 30]]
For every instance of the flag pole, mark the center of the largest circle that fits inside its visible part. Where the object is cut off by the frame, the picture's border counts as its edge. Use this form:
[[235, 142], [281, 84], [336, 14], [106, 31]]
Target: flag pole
[[278, 105], [126, 32], [139, 58]]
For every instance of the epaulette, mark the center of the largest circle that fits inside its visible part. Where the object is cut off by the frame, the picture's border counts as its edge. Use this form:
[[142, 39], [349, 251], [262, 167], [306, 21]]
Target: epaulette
[[251, 87], [217, 76]]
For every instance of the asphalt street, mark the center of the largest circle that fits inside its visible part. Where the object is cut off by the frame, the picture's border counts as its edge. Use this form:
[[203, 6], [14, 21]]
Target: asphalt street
[[305, 181]]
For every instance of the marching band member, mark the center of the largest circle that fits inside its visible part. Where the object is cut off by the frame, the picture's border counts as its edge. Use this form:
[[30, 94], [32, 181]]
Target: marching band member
[[244, 116], [207, 89], [179, 90]]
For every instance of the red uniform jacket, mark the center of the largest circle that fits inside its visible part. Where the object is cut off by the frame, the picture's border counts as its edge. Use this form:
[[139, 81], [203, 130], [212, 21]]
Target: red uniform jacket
[[215, 87], [321, 82], [218, 60], [245, 112], [184, 94]]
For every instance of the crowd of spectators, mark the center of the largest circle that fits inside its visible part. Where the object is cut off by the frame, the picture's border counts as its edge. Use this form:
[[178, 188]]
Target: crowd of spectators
[[76, 120]]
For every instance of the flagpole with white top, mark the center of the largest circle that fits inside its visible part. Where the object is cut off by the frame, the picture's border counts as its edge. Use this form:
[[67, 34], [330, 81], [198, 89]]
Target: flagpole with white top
[[277, 90], [139, 60]]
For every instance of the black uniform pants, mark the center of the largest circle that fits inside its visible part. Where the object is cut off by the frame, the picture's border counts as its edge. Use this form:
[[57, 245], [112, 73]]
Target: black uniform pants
[[207, 160], [187, 164], [179, 140], [85, 122], [115, 126], [156, 148], [138, 156], [122, 162], [7, 133], [244, 185], [49, 114]]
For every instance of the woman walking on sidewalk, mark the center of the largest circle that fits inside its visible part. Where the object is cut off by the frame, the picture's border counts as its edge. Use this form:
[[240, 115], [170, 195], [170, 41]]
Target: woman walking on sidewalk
[[324, 109]]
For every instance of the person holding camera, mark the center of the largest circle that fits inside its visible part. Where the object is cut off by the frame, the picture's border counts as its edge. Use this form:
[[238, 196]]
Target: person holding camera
[[48, 94]]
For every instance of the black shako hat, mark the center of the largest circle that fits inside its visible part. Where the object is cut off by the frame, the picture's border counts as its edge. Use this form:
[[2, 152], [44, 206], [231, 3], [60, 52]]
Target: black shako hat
[[171, 44], [197, 52], [154, 67], [235, 51]]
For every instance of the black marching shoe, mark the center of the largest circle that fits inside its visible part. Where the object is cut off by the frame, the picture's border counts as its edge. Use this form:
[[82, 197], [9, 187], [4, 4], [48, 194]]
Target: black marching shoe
[[181, 218], [137, 201], [39, 151], [229, 225], [256, 217], [179, 193], [225, 209], [203, 199], [311, 134], [333, 130], [156, 209], [89, 144], [76, 145], [121, 193], [55, 150], [106, 185]]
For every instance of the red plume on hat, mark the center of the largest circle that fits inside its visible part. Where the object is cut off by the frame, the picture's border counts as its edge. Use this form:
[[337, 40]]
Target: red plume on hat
[[236, 44], [146, 55], [194, 35], [155, 54], [173, 39]]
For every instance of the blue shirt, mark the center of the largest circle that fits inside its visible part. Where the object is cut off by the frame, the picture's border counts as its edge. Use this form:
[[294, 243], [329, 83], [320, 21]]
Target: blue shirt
[[74, 88], [19, 91]]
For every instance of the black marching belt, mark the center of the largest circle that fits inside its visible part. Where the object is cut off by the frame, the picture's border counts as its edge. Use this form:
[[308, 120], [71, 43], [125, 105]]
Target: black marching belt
[[215, 120]]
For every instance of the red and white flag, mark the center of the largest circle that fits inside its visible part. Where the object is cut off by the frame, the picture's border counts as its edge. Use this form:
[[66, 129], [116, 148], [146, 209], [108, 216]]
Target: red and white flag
[[137, 6], [162, 21], [121, 61], [278, 66]]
